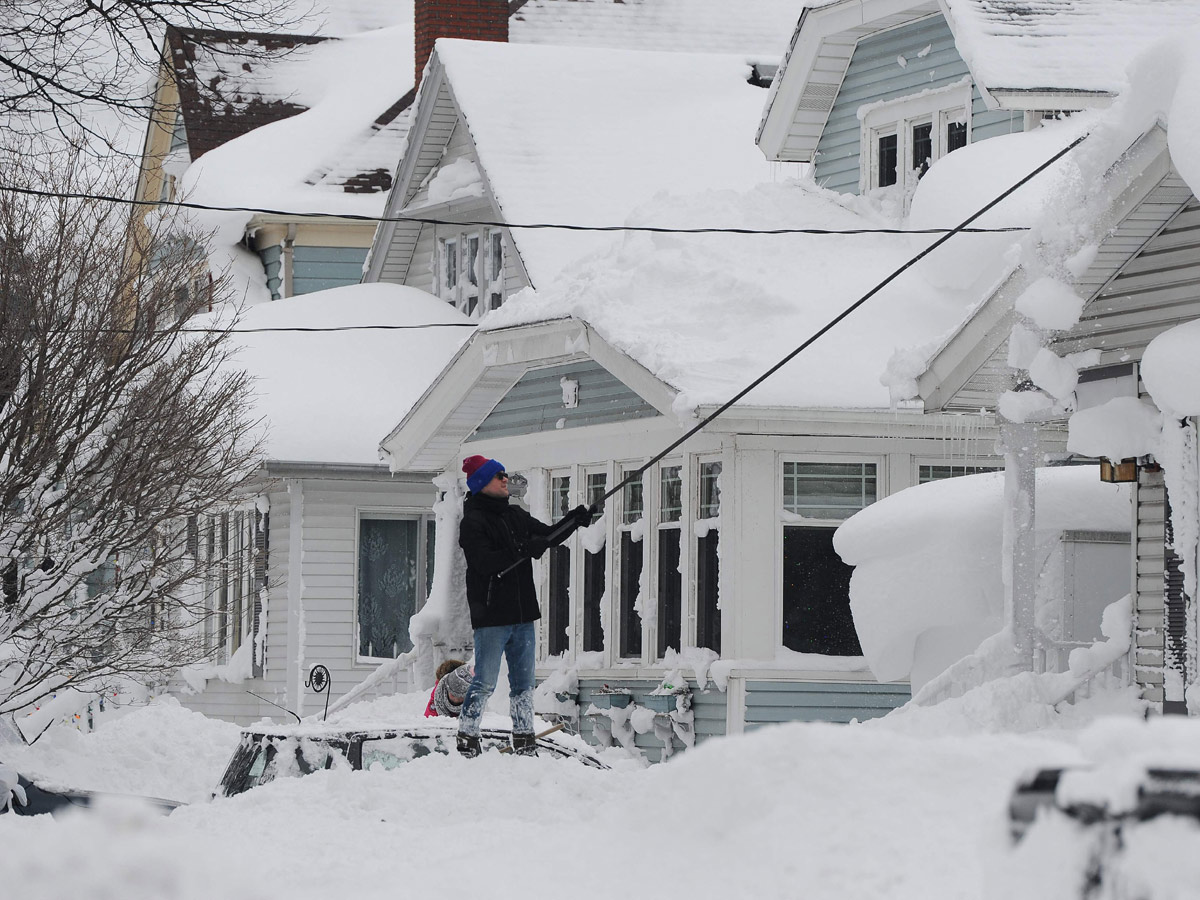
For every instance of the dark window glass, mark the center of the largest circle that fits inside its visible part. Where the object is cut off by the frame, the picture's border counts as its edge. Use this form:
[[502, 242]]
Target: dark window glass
[[630, 643], [956, 136], [708, 616], [828, 490], [816, 595], [938, 473], [388, 561], [670, 591], [559, 605], [559, 601], [887, 160], [594, 576], [922, 147]]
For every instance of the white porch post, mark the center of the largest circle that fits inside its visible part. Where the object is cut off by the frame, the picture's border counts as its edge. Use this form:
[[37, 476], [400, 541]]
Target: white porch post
[[1019, 442]]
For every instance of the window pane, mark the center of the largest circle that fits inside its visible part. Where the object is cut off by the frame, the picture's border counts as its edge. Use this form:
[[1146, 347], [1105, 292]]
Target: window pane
[[559, 601], [670, 494], [670, 591], [710, 491], [387, 585], [497, 255], [631, 500], [594, 575], [816, 595], [937, 473], [956, 136], [922, 147], [560, 496], [708, 616], [473, 259], [450, 269], [887, 160], [828, 490], [631, 574]]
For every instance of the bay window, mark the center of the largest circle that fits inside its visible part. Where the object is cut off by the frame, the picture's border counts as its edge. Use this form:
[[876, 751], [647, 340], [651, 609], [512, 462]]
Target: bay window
[[817, 497]]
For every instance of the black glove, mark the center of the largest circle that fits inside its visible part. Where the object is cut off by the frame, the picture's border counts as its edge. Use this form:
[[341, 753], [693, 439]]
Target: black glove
[[580, 516], [535, 546]]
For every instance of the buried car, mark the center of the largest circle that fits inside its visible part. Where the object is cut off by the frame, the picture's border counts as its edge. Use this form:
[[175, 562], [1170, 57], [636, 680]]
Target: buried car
[[23, 797], [264, 754]]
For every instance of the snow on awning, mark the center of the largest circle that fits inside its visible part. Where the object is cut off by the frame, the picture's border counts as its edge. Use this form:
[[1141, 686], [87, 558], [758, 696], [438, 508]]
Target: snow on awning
[[1171, 369]]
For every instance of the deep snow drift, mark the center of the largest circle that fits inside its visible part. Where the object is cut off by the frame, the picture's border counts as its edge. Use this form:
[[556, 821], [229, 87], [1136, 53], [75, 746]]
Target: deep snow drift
[[910, 806]]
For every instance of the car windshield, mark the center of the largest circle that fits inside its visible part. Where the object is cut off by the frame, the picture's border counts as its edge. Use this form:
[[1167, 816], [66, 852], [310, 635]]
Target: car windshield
[[388, 752]]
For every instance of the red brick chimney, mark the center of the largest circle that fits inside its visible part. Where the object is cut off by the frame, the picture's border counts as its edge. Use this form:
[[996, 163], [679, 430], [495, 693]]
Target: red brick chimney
[[473, 20]]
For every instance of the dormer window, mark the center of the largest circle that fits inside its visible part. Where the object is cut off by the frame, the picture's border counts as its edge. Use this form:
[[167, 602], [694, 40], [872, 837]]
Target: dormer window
[[902, 138], [470, 271]]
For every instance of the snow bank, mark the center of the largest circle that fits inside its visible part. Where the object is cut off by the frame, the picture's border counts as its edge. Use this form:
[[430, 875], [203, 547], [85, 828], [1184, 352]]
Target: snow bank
[[928, 583], [331, 396]]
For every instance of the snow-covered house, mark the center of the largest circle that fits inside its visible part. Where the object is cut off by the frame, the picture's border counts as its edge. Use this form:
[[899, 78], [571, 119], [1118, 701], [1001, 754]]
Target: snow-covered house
[[868, 94], [331, 561], [723, 547]]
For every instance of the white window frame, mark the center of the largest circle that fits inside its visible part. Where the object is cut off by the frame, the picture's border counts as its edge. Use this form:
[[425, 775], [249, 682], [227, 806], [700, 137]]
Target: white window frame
[[940, 105], [682, 525], [881, 491], [608, 617], [571, 474], [422, 517], [493, 282], [693, 473], [993, 465], [472, 274]]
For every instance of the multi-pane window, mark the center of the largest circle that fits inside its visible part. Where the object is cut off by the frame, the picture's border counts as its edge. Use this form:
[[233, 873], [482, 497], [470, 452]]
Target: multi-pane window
[[631, 553], [470, 271], [449, 270], [233, 545], [558, 600], [670, 579], [594, 575], [816, 583], [901, 139], [708, 613], [940, 472], [392, 572]]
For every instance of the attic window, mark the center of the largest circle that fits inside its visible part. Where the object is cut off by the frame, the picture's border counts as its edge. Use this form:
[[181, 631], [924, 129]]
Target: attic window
[[913, 132]]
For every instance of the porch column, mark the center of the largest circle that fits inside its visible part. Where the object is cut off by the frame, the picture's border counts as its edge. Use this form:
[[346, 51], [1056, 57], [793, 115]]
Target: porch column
[[1018, 440]]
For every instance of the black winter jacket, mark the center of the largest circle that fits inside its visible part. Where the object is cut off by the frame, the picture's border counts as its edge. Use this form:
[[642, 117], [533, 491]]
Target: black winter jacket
[[492, 535]]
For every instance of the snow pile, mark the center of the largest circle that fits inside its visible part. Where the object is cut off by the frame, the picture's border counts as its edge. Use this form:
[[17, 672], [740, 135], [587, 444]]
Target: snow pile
[[330, 396], [1171, 369], [656, 297], [610, 130], [1122, 428], [910, 806], [915, 626]]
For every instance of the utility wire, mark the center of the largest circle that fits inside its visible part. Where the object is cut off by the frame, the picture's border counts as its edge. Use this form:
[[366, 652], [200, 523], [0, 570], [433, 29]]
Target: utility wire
[[649, 229]]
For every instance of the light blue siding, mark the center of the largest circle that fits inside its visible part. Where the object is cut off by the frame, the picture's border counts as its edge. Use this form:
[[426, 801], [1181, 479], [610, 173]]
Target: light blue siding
[[535, 403], [771, 702], [874, 74], [319, 268], [272, 260]]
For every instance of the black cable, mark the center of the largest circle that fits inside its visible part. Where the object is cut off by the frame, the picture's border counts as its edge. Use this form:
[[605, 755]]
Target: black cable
[[637, 473], [650, 229]]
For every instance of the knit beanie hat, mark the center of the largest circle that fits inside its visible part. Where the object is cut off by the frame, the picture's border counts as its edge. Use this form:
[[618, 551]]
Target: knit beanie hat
[[480, 470], [451, 690]]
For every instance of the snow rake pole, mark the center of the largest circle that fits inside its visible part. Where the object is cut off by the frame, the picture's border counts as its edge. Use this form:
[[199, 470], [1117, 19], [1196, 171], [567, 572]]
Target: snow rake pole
[[836, 320], [538, 736]]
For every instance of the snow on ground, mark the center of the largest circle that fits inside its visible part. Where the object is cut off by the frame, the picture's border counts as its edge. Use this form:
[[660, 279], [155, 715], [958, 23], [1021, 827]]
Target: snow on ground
[[909, 806]]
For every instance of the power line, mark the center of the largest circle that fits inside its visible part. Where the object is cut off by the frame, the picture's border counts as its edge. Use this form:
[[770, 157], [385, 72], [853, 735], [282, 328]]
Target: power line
[[527, 226]]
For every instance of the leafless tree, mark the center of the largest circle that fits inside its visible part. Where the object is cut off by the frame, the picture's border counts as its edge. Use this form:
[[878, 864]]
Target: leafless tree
[[122, 419], [62, 62]]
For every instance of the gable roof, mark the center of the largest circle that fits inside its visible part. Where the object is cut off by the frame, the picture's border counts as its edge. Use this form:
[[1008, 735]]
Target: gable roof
[[611, 130], [1022, 54]]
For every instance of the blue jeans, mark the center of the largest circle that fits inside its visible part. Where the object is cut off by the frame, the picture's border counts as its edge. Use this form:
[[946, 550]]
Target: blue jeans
[[519, 644]]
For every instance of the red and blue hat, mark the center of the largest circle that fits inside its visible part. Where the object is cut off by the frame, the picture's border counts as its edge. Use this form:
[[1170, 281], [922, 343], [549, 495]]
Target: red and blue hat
[[480, 470]]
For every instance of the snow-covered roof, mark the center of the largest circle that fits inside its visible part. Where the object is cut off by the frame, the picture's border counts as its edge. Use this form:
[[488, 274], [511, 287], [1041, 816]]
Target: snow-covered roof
[[329, 396], [605, 134], [233, 84], [755, 29], [706, 314], [1076, 45]]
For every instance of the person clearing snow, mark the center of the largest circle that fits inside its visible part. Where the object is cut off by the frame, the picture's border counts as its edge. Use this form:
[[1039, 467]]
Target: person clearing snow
[[499, 540]]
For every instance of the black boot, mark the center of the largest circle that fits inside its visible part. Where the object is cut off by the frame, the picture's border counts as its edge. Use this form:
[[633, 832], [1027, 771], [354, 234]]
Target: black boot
[[468, 745], [524, 744]]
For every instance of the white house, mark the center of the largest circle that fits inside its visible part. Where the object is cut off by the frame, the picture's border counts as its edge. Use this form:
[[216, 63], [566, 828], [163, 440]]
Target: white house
[[873, 92]]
